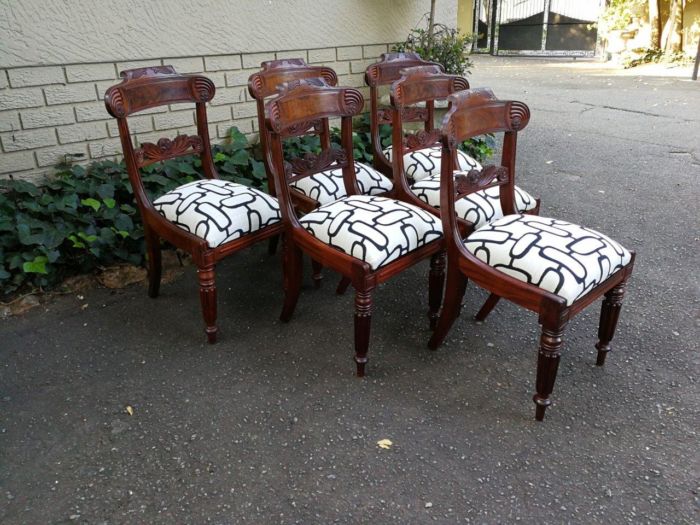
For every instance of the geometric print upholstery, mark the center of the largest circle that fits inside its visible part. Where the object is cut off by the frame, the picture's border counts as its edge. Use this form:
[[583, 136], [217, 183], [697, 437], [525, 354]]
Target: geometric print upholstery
[[480, 207], [565, 259], [422, 163], [328, 186], [376, 230], [218, 211]]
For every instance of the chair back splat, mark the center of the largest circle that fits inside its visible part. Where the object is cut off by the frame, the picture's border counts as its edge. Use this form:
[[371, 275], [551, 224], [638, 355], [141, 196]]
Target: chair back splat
[[383, 73]]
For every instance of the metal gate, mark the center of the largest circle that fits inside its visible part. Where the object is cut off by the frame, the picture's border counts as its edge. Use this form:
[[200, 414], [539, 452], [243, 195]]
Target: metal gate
[[536, 27]]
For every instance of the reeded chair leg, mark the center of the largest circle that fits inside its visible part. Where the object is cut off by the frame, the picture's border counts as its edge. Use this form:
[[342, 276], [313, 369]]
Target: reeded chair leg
[[154, 264], [609, 314], [207, 296], [454, 291], [547, 366], [436, 282], [489, 305], [292, 271], [363, 321]]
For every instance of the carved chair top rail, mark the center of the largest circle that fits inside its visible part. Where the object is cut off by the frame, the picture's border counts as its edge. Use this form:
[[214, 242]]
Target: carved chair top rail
[[274, 73], [302, 102], [477, 111], [423, 84], [145, 88], [388, 68]]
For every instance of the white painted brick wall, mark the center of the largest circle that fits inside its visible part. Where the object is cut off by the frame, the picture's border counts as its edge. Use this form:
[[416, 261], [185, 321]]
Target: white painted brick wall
[[46, 117], [22, 140], [82, 132], [36, 76], [49, 112], [69, 93], [87, 72]]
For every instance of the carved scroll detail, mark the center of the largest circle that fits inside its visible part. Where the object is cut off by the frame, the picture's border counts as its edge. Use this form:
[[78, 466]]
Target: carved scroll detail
[[422, 139], [202, 89], [303, 127], [149, 153], [519, 115], [476, 180], [115, 102], [352, 102], [311, 163]]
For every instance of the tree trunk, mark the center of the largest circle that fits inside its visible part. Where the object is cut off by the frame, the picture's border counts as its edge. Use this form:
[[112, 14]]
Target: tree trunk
[[431, 24], [655, 22], [672, 35]]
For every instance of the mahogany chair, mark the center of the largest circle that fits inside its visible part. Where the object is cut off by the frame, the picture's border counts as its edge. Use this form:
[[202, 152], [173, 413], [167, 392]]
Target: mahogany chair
[[366, 238], [324, 187], [552, 267], [209, 218], [419, 162], [426, 85]]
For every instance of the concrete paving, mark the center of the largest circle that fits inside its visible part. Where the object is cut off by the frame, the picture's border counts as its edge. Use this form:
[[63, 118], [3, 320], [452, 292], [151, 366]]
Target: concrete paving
[[271, 426]]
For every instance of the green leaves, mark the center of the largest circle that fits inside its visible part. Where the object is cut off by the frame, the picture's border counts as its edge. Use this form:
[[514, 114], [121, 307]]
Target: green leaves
[[446, 46], [93, 203], [38, 265]]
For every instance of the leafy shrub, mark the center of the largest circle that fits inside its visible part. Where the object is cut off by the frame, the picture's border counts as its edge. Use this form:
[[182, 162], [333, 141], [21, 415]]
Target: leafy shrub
[[85, 218], [446, 46]]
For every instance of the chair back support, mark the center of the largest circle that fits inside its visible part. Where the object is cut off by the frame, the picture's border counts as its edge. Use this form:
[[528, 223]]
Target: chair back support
[[417, 84], [150, 87], [301, 103], [475, 112], [383, 73], [268, 80]]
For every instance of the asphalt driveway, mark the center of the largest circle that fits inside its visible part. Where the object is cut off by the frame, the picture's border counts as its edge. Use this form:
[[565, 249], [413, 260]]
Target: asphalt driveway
[[271, 426]]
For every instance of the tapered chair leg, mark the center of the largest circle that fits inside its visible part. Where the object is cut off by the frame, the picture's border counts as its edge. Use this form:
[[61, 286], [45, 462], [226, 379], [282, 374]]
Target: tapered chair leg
[[454, 291], [317, 267], [154, 264], [207, 296], [547, 366], [436, 283], [292, 276], [363, 321], [609, 314], [489, 305]]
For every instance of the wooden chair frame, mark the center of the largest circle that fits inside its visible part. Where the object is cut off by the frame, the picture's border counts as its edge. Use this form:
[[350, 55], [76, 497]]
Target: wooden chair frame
[[296, 106], [384, 73], [150, 87], [263, 85], [473, 113]]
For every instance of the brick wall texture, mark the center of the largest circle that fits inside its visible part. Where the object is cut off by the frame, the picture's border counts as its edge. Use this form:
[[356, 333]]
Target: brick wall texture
[[50, 113]]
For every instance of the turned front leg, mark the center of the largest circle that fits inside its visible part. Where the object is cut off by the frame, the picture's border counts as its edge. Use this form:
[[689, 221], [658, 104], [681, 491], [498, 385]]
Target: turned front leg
[[207, 296], [436, 281], [363, 320], [547, 365]]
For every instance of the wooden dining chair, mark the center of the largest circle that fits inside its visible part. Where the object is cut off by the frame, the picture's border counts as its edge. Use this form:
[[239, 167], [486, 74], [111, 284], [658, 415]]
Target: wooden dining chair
[[326, 186], [419, 162], [552, 267], [366, 238], [210, 218]]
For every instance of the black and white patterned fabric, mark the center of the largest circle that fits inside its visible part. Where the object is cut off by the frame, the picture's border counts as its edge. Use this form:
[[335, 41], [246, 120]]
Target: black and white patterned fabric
[[480, 207], [422, 163], [376, 230], [563, 258], [218, 211], [328, 186]]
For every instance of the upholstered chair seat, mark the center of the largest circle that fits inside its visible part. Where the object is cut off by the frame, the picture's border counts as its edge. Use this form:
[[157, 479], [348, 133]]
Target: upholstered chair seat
[[218, 211], [560, 257], [328, 186], [480, 207], [424, 162], [376, 230]]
